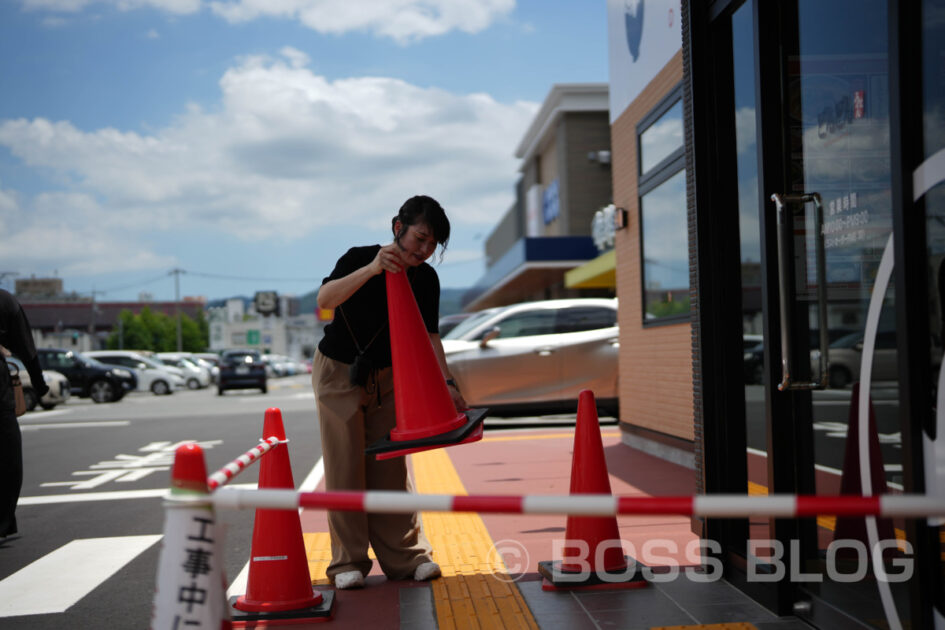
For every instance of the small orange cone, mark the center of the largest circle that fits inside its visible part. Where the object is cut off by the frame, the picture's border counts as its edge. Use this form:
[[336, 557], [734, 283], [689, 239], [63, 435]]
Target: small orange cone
[[585, 564], [279, 587], [426, 416]]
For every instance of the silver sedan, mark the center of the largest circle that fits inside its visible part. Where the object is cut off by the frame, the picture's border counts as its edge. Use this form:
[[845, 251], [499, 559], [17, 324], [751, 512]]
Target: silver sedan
[[537, 356]]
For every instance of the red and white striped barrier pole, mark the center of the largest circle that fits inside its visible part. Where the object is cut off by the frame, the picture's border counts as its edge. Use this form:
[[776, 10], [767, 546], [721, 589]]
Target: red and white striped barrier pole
[[225, 474], [715, 505]]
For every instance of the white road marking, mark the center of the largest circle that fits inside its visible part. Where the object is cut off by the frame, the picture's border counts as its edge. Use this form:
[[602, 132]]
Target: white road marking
[[39, 414], [52, 584], [74, 425], [105, 496]]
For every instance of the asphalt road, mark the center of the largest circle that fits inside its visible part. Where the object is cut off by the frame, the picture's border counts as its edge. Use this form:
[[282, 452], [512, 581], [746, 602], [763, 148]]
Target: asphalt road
[[84, 563]]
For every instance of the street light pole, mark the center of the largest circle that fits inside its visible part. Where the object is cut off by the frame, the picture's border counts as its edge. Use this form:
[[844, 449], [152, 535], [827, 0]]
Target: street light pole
[[177, 272]]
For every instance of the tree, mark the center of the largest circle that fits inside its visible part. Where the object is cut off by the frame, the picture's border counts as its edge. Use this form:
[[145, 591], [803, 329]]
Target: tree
[[157, 332]]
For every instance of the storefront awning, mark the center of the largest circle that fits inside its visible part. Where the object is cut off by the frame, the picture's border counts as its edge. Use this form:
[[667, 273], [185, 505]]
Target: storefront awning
[[600, 273], [531, 265]]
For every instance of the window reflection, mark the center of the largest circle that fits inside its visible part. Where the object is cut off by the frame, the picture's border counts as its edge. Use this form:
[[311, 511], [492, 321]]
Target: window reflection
[[662, 138], [665, 249]]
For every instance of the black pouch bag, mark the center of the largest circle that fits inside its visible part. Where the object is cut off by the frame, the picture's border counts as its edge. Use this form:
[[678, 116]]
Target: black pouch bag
[[360, 370]]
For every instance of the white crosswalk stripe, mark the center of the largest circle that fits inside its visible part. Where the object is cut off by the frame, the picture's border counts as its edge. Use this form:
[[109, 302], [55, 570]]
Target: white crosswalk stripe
[[52, 584]]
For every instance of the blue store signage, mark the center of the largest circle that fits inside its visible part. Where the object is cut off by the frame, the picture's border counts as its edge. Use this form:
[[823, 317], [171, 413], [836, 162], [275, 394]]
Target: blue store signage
[[550, 205]]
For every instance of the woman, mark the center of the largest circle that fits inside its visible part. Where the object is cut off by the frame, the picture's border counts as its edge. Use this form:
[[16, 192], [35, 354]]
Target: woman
[[353, 384], [15, 336]]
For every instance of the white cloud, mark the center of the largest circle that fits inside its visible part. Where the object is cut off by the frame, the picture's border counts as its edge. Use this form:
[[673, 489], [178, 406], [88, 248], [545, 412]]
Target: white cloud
[[404, 21], [72, 233], [179, 7], [286, 153]]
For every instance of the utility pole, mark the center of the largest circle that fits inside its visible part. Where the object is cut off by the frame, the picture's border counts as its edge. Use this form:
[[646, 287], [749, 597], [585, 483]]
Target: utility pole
[[92, 336], [176, 272]]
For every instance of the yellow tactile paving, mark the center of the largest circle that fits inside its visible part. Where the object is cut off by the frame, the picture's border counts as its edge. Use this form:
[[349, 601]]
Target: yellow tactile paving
[[475, 590]]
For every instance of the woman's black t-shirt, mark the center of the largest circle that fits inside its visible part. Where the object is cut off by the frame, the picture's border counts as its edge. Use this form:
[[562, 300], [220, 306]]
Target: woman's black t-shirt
[[366, 309]]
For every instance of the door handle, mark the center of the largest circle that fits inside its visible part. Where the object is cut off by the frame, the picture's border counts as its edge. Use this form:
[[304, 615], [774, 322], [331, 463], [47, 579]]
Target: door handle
[[785, 277], [545, 351]]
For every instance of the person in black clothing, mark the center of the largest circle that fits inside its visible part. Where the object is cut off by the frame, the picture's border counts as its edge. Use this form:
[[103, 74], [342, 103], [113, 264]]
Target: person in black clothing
[[353, 384], [15, 336]]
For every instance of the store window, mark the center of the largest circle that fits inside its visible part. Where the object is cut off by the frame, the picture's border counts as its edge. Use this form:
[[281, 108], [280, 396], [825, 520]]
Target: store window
[[664, 235]]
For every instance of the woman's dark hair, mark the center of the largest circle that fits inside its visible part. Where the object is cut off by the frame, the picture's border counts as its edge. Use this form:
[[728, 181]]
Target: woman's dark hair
[[423, 209]]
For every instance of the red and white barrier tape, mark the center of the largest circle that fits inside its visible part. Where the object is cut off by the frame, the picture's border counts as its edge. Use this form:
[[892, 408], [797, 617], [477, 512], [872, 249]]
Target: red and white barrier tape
[[715, 505], [239, 464]]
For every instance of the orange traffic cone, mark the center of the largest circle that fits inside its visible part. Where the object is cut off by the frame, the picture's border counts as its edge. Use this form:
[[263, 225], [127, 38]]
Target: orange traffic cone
[[279, 587], [586, 563], [851, 482], [426, 416], [191, 587]]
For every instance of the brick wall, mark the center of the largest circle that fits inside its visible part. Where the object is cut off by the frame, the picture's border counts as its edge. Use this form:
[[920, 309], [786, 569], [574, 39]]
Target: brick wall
[[656, 362]]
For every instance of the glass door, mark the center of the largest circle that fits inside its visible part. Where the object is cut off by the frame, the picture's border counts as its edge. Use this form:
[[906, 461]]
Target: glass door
[[838, 359]]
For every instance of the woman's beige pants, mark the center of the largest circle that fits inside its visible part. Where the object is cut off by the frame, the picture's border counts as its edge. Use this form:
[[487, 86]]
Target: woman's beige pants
[[350, 419]]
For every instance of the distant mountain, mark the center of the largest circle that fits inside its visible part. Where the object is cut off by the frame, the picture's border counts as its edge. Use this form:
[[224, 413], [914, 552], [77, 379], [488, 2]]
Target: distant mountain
[[451, 300], [222, 301], [308, 303]]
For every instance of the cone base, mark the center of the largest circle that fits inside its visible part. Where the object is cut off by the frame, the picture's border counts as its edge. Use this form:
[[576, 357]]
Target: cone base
[[312, 614], [555, 579], [246, 605], [475, 436], [386, 448]]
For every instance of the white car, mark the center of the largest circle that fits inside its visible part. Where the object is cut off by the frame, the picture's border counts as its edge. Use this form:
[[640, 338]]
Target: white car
[[195, 375], [537, 356], [211, 361], [152, 376], [59, 389]]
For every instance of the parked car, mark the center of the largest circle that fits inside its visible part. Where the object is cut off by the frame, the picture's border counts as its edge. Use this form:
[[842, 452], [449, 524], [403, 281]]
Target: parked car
[[754, 356], [195, 375], [242, 369], [449, 322], [278, 365], [57, 383], [846, 354], [753, 347], [152, 376], [212, 361], [88, 378], [537, 356]]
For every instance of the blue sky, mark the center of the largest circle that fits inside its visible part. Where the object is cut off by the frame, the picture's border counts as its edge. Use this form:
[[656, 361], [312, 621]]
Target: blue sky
[[251, 142]]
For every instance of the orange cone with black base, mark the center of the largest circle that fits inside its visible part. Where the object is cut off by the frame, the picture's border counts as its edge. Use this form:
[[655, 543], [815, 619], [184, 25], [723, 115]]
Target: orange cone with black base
[[426, 416], [592, 556], [279, 588]]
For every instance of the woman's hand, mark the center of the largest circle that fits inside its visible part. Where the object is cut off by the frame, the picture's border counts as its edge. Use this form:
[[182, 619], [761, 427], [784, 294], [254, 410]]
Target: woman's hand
[[389, 259]]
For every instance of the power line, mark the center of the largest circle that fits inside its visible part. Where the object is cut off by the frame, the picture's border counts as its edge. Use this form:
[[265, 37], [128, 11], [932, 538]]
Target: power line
[[133, 285], [248, 278]]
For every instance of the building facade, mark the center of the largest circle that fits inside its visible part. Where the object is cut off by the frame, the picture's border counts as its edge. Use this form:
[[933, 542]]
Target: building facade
[[565, 178], [777, 180]]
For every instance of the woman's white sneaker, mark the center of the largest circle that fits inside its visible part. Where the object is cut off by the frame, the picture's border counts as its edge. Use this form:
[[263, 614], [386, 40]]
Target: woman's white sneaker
[[349, 579], [426, 571]]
